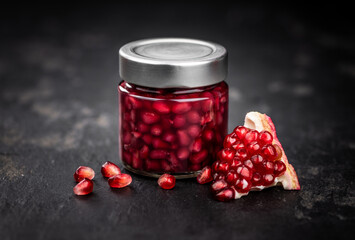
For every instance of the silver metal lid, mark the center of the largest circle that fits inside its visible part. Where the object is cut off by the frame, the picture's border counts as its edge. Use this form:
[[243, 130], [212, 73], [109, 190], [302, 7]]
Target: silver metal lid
[[173, 62]]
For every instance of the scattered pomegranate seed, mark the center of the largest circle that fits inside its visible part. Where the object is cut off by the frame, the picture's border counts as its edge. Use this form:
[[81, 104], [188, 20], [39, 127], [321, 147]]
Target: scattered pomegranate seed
[[84, 187], [120, 180], [205, 176], [84, 172], [166, 181], [110, 169]]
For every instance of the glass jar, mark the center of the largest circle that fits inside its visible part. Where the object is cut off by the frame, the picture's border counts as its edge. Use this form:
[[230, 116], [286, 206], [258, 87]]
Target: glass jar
[[173, 105]]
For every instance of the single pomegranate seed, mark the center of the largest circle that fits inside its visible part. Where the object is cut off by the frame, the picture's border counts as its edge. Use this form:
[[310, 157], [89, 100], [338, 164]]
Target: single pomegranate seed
[[253, 148], [136, 103], [136, 134], [227, 154], [225, 195], [183, 137], [183, 153], [193, 117], [236, 163], [207, 105], [257, 160], [268, 179], [147, 138], [161, 107], [268, 167], [229, 141], [249, 164], [152, 165], [150, 117], [278, 152], [197, 145], [215, 166], [169, 137], [136, 160], [279, 168], [240, 131], [158, 154], [194, 131], [181, 107], [143, 128], [269, 152], [120, 180], [231, 177], [205, 176], [223, 167], [166, 181], [243, 185], [245, 172], [109, 169], [218, 185], [126, 138], [179, 121], [144, 152], [256, 179], [84, 187], [156, 130], [251, 136], [199, 157], [242, 154], [158, 143], [208, 135], [84, 172], [265, 137], [238, 145]]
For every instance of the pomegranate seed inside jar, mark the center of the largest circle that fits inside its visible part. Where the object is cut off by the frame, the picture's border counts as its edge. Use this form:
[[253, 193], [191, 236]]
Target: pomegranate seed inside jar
[[166, 181], [171, 130], [120, 181], [84, 172], [84, 187]]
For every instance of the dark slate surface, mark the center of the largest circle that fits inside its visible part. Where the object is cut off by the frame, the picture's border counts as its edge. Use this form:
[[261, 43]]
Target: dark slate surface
[[58, 110]]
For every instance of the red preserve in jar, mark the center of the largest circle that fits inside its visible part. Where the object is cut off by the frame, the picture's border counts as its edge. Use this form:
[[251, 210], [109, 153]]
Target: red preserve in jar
[[173, 105]]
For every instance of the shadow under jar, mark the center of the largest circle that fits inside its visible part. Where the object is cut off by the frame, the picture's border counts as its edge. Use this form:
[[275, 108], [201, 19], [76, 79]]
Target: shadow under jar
[[173, 105]]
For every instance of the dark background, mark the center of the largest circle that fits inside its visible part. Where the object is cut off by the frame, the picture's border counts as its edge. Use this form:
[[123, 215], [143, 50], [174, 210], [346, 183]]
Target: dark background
[[58, 110]]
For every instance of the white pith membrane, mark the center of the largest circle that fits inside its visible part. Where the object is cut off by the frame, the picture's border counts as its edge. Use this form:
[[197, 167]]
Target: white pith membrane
[[289, 181]]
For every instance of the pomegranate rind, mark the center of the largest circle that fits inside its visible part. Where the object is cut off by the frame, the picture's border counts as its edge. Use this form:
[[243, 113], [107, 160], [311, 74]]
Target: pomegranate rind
[[259, 122]]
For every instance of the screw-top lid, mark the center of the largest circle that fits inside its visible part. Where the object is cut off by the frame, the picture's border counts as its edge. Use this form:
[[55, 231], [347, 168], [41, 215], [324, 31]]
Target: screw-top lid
[[173, 63]]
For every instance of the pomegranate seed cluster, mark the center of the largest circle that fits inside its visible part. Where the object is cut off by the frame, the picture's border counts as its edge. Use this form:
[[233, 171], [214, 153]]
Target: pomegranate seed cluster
[[171, 130], [249, 159]]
